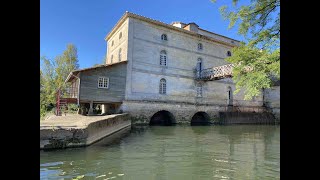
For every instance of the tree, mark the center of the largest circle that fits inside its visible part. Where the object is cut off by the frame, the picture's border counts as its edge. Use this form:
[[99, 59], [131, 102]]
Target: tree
[[66, 63], [257, 62], [53, 74], [47, 80]]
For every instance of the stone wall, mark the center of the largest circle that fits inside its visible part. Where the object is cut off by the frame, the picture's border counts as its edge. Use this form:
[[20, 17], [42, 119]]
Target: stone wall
[[77, 136], [227, 118], [142, 111], [113, 50], [144, 71], [272, 101]]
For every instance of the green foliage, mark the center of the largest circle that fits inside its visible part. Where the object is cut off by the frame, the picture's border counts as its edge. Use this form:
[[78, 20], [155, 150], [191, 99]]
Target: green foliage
[[72, 108], [260, 20], [53, 74], [66, 63], [254, 69], [259, 23]]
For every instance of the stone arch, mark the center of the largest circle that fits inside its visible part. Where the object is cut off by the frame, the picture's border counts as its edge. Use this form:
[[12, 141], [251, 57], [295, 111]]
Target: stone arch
[[200, 118], [162, 118]]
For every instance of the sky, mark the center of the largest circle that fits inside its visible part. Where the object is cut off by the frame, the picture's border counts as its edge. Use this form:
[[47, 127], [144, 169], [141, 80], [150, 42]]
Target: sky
[[86, 23]]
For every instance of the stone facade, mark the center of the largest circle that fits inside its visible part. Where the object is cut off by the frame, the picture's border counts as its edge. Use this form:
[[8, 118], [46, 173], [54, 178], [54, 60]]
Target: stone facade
[[272, 101], [142, 45]]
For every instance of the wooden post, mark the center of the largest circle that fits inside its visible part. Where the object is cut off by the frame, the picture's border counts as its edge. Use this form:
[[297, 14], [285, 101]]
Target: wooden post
[[91, 108]]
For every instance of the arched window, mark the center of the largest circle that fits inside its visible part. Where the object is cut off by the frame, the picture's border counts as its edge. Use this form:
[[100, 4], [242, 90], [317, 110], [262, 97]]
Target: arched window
[[120, 35], [164, 37], [111, 59], [199, 67], [199, 64], [229, 53], [163, 86], [199, 90], [230, 96], [112, 43], [200, 46], [119, 54], [163, 58]]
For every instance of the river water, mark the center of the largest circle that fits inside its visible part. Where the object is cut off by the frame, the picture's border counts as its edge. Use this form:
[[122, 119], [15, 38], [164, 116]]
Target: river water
[[173, 152]]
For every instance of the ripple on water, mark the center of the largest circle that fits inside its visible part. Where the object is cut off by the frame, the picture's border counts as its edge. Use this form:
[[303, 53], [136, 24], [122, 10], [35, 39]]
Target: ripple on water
[[221, 152]]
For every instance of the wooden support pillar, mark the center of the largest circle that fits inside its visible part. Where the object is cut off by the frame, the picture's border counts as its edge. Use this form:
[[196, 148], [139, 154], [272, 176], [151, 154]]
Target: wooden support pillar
[[104, 108], [91, 108]]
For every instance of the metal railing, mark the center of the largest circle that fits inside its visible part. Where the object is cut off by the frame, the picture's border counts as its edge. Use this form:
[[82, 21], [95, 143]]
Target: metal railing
[[218, 72]]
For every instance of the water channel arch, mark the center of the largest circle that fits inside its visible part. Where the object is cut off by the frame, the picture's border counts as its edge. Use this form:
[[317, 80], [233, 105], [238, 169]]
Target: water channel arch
[[200, 119], [162, 118]]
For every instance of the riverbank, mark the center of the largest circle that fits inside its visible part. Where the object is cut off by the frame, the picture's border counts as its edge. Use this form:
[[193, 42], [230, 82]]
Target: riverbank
[[75, 130]]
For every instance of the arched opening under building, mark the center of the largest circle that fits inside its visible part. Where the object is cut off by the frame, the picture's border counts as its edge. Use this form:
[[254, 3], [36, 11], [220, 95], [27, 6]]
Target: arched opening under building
[[200, 119], [162, 118]]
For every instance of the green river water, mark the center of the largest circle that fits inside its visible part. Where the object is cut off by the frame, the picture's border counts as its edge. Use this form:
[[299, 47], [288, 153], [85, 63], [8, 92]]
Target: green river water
[[173, 152]]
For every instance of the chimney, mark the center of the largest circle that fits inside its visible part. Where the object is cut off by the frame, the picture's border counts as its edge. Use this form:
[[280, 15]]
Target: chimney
[[192, 27], [178, 24]]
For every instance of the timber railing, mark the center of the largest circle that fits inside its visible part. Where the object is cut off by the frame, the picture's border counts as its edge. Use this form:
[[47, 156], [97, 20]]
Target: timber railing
[[65, 96]]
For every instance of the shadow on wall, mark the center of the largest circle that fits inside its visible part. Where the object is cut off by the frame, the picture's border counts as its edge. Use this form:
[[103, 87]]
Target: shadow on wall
[[200, 119], [162, 118]]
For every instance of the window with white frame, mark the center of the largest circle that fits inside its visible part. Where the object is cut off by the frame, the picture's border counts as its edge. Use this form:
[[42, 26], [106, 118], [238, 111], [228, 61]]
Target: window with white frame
[[199, 90], [103, 82], [119, 54], [163, 58], [163, 86], [200, 46], [164, 37]]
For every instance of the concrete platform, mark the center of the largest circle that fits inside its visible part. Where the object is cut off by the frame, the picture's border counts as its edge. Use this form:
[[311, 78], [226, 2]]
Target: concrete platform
[[76, 130]]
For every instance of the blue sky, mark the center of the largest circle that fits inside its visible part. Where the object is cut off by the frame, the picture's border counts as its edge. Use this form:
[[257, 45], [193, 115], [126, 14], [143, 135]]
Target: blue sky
[[86, 23]]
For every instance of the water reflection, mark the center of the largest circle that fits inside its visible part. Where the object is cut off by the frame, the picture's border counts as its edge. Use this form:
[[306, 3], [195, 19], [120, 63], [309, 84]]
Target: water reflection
[[174, 152]]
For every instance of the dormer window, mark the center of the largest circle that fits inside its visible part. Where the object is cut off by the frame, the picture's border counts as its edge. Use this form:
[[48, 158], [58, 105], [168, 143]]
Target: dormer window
[[164, 37], [200, 46], [229, 53]]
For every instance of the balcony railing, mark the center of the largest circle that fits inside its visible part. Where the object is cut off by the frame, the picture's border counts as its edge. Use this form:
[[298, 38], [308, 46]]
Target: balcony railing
[[70, 92], [215, 73]]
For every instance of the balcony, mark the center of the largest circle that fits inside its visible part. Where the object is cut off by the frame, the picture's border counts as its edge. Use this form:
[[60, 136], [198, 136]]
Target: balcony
[[215, 73]]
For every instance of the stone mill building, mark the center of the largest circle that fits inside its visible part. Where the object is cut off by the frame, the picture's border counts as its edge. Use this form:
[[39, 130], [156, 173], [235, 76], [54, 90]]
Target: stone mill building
[[164, 73]]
